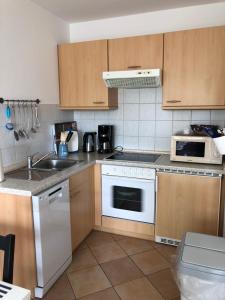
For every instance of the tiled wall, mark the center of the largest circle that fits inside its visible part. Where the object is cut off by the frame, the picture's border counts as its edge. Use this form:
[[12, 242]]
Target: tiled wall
[[14, 152], [141, 124]]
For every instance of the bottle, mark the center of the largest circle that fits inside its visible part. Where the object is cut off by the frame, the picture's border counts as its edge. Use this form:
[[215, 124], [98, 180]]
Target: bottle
[[1, 168], [63, 150]]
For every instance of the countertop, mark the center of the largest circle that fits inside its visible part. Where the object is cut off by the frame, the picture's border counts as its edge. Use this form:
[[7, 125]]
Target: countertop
[[163, 163]]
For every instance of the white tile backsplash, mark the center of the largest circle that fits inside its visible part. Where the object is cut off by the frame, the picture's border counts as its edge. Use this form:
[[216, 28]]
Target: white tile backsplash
[[147, 112], [147, 95], [131, 112], [147, 128], [131, 96], [163, 115], [131, 128], [182, 115], [163, 129], [140, 123], [200, 115], [131, 142], [218, 115]]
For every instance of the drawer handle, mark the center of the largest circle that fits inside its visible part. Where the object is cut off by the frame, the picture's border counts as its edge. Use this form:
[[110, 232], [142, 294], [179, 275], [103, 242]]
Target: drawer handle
[[98, 102], [134, 67], [174, 101]]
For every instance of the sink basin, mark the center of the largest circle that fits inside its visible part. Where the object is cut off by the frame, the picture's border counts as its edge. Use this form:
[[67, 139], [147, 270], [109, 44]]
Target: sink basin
[[56, 164], [30, 174]]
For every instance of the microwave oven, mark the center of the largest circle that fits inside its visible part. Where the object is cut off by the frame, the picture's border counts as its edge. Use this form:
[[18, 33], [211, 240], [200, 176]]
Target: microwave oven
[[196, 149]]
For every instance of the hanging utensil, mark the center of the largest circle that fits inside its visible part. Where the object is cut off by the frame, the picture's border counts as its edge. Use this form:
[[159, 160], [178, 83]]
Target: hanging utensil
[[9, 124], [37, 122], [24, 122], [16, 135], [20, 131], [32, 119]]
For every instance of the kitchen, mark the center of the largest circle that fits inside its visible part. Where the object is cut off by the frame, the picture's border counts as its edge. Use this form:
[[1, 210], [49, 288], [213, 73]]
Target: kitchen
[[142, 121]]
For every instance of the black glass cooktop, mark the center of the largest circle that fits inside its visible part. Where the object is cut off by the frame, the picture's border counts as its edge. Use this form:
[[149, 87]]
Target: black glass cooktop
[[139, 157]]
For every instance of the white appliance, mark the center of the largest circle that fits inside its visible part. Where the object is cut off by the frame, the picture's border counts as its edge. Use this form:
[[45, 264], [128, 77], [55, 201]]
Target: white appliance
[[133, 79], [13, 292], [51, 213], [198, 149], [128, 193], [73, 142]]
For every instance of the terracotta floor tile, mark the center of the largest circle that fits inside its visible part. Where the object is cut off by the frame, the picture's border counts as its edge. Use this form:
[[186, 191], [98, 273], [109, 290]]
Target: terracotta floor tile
[[98, 238], [108, 294], [61, 290], [150, 262], [133, 246], [163, 281], [138, 289], [108, 252], [169, 252], [82, 258], [88, 281], [121, 270]]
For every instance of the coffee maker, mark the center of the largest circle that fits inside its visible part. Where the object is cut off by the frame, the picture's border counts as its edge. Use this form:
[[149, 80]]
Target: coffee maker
[[105, 138]]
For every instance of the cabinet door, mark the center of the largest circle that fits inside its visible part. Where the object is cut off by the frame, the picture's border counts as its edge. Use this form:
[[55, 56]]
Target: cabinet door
[[80, 74], [187, 203], [194, 68], [81, 206], [140, 52]]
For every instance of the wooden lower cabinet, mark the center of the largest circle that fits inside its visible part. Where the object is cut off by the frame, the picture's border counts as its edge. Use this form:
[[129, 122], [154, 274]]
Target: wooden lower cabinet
[[16, 218], [81, 205], [187, 203]]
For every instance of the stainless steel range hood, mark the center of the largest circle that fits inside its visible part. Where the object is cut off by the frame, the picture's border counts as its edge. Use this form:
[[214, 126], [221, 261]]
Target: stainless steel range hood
[[149, 78]]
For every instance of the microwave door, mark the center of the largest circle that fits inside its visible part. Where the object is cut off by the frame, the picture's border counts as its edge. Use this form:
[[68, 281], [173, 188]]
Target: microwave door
[[191, 149]]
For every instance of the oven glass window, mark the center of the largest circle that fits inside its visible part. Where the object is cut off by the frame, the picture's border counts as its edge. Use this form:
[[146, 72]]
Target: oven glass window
[[127, 198], [195, 149]]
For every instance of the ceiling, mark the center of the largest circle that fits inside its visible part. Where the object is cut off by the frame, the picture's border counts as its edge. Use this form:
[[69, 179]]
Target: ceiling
[[85, 10]]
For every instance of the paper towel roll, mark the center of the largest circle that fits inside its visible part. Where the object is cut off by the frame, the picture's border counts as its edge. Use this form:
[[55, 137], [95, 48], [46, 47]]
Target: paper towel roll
[[1, 168]]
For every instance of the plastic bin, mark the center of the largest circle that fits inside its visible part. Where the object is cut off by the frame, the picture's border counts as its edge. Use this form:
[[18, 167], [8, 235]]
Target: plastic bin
[[200, 267]]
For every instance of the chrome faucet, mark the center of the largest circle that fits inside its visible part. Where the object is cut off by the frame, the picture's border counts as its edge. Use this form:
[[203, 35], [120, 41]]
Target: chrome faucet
[[31, 164]]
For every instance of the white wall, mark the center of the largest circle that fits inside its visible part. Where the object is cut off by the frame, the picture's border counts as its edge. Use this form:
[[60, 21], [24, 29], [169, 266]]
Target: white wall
[[28, 69], [28, 51], [148, 23]]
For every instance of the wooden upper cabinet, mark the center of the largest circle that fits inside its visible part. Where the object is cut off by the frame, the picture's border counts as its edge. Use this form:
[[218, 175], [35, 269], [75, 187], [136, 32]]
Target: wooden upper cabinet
[[194, 68], [80, 76], [139, 52], [187, 203]]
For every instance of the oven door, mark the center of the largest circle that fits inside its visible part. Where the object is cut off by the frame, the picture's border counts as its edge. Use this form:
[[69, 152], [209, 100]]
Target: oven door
[[128, 198]]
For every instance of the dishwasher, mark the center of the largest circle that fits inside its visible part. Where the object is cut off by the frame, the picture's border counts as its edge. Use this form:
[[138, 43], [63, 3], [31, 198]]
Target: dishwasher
[[51, 214]]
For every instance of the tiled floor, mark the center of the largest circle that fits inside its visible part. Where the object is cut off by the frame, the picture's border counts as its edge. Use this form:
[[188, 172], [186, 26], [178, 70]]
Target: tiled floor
[[113, 267]]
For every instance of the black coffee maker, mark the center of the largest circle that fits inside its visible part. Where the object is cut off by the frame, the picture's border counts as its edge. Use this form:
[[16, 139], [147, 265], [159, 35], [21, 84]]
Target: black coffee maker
[[105, 138]]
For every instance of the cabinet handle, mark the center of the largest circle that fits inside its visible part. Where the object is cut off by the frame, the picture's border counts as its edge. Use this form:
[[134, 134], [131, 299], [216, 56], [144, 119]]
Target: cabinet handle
[[134, 67], [98, 102], [174, 101]]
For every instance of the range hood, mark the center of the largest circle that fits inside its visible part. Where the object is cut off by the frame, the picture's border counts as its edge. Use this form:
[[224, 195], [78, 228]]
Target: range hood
[[149, 78]]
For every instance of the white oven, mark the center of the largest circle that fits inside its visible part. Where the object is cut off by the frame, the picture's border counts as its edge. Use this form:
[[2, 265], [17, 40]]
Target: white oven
[[128, 193]]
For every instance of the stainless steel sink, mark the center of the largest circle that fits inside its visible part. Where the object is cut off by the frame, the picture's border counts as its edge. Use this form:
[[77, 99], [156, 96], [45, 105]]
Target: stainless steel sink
[[30, 174], [56, 164]]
